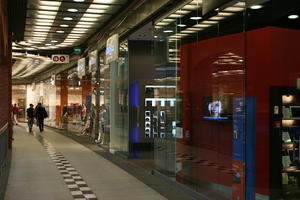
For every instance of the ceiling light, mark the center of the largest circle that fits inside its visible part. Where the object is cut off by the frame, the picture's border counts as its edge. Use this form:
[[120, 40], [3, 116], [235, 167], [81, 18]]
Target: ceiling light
[[50, 3], [46, 16], [91, 15], [55, 8], [45, 20], [103, 1], [80, 29], [195, 18], [35, 42], [234, 9], [79, 0], [255, 7], [88, 19], [54, 41], [90, 23], [168, 31], [43, 12], [48, 44], [42, 30], [68, 18], [155, 36], [83, 26], [64, 25], [73, 10], [90, 10], [99, 6], [293, 16], [59, 31], [175, 16], [43, 23], [181, 25], [162, 23], [42, 27]]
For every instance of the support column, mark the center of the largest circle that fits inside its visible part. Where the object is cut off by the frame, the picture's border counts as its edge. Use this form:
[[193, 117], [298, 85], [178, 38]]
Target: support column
[[63, 97]]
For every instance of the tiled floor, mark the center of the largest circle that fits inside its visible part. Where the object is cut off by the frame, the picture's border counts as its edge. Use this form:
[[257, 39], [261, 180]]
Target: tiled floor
[[37, 171]]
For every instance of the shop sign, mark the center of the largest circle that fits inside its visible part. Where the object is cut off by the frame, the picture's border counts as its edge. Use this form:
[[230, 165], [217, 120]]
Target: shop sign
[[93, 61], [60, 58], [112, 48], [81, 67]]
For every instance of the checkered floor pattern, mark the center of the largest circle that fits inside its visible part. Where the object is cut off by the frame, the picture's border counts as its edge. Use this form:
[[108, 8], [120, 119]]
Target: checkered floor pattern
[[77, 186]]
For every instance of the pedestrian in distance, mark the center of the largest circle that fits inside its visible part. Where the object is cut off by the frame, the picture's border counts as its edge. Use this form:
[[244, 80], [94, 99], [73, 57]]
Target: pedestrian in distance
[[15, 111], [40, 115], [30, 117]]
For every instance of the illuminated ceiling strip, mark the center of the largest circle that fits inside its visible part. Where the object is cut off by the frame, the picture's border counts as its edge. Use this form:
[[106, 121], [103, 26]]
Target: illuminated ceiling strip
[[45, 17]]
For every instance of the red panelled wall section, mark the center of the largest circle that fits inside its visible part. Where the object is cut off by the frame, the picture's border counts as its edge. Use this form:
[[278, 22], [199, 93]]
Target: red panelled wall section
[[238, 65], [5, 70]]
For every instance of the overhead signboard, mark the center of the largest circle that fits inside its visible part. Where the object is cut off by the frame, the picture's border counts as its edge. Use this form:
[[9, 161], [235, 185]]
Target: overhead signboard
[[60, 58], [211, 5], [81, 67], [112, 48], [93, 61]]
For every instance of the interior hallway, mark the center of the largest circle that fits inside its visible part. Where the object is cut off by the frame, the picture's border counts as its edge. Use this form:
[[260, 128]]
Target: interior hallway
[[51, 166]]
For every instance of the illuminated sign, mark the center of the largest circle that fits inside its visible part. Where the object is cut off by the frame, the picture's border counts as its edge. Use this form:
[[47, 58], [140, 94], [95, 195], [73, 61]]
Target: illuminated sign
[[81, 67], [60, 59], [112, 48]]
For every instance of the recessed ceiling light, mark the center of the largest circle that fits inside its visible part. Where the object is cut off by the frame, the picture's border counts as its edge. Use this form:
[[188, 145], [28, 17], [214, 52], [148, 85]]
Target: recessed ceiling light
[[64, 25], [59, 31], [255, 7], [48, 44], [73, 10], [168, 31], [293, 16], [181, 25], [155, 36], [68, 18], [79, 0], [54, 41], [195, 18]]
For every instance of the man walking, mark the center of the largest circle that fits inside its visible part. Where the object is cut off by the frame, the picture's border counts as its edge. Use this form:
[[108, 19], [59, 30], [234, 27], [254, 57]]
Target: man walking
[[30, 117], [40, 114]]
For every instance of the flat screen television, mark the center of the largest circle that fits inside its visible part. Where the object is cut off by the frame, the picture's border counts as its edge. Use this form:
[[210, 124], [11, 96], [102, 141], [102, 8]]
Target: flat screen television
[[217, 108]]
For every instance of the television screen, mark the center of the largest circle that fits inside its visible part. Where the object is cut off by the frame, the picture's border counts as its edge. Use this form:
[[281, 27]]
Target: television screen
[[217, 108]]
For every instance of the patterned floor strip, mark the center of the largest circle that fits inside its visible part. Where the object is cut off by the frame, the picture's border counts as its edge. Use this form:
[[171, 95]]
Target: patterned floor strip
[[77, 186]]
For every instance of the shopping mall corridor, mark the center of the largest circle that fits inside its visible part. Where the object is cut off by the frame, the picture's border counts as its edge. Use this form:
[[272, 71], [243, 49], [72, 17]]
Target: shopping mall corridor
[[51, 166]]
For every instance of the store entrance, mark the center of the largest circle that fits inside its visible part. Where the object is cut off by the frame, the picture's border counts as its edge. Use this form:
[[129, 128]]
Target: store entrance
[[284, 143]]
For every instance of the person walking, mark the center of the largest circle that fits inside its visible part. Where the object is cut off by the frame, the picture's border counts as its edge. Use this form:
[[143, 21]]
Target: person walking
[[40, 115], [30, 117], [15, 111]]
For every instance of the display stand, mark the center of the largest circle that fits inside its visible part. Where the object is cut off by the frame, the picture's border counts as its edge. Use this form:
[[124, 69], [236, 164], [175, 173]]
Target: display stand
[[284, 143]]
